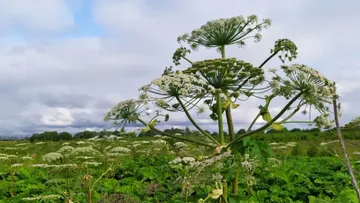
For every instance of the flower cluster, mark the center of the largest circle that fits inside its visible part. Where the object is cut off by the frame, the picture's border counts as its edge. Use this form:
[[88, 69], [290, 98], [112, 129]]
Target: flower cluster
[[228, 74], [184, 160], [65, 149], [85, 150], [52, 156], [178, 84], [225, 31], [287, 47], [317, 90], [121, 149], [125, 111], [53, 165], [43, 198], [180, 145]]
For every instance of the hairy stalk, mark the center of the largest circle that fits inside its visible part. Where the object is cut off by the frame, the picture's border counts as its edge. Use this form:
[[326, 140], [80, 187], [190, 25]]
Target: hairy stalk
[[343, 148], [220, 120], [194, 123], [176, 137], [237, 139], [231, 132]]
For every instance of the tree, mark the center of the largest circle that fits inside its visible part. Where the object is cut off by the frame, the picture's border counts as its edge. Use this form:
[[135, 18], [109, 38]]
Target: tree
[[295, 130], [241, 131], [65, 136], [221, 83], [352, 125]]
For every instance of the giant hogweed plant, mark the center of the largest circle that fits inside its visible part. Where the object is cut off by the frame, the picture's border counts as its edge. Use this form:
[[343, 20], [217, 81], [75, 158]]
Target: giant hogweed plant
[[222, 84]]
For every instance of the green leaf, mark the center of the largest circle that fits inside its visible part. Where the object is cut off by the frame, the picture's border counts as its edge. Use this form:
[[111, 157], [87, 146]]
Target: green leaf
[[167, 117], [277, 126], [153, 123], [227, 104], [146, 129], [267, 117], [234, 106]]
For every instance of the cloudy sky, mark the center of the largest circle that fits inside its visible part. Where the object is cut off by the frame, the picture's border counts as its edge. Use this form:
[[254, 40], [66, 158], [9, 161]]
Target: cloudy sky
[[65, 63]]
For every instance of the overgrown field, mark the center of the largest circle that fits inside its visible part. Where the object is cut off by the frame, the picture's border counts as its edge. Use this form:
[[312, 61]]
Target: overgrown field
[[165, 170]]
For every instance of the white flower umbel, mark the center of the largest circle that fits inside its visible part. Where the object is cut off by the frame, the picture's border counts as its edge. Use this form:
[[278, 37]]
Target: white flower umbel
[[125, 112], [318, 91], [225, 31], [52, 156], [65, 149], [178, 84], [180, 145], [92, 163], [159, 141], [228, 74], [43, 198], [16, 165], [85, 151], [26, 158], [121, 150]]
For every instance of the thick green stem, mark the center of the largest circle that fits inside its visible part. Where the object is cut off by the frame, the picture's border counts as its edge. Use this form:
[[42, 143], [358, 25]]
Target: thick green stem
[[220, 119], [268, 124], [176, 137], [194, 123], [225, 191], [230, 123], [222, 48], [235, 183], [231, 132]]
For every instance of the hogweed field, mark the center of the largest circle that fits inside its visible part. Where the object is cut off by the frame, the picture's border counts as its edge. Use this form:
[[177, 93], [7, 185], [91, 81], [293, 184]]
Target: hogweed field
[[225, 168], [161, 169]]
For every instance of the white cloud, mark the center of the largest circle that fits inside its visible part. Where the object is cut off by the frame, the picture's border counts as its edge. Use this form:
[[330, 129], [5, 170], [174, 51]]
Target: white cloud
[[44, 16], [57, 117]]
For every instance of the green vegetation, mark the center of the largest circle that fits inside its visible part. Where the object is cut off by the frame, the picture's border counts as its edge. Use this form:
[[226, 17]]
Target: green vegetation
[[159, 169]]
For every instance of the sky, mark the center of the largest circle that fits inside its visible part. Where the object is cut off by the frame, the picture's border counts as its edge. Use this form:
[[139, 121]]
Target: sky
[[65, 63]]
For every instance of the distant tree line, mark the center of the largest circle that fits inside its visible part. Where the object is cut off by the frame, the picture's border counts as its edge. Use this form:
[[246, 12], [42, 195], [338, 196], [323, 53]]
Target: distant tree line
[[350, 131]]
